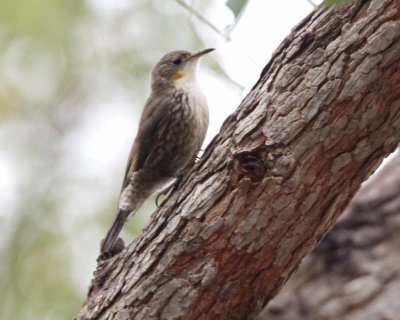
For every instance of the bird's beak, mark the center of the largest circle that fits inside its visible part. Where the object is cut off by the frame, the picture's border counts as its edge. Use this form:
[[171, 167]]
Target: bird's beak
[[191, 64], [198, 54]]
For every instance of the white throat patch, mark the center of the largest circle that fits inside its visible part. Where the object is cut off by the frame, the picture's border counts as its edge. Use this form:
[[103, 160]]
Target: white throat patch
[[189, 78]]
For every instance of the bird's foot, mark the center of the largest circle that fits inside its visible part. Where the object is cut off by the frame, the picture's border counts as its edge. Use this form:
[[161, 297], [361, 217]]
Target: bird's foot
[[167, 191]]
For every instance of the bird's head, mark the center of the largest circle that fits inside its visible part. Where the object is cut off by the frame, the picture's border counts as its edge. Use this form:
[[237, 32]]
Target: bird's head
[[177, 67]]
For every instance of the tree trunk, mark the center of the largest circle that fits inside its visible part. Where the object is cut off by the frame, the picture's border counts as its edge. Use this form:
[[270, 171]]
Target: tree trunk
[[323, 115], [354, 272]]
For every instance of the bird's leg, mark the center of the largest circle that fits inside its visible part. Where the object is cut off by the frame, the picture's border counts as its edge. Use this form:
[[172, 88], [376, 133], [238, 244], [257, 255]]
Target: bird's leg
[[167, 191], [171, 188]]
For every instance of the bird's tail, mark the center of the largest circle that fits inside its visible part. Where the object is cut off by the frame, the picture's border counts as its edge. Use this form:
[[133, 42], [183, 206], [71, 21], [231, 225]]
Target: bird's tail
[[130, 200], [132, 197], [112, 233]]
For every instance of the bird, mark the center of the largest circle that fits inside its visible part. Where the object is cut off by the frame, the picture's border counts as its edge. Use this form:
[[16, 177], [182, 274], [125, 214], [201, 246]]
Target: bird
[[171, 131]]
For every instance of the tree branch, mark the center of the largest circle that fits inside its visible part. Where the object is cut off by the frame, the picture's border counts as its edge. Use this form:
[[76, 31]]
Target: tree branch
[[354, 272], [323, 115]]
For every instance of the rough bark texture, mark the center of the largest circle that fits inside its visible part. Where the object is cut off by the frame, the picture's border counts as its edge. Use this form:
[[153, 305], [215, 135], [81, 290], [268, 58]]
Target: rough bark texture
[[354, 272], [323, 115]]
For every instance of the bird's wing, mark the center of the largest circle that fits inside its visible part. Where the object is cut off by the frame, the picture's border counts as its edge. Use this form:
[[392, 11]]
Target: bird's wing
[[152, 126]]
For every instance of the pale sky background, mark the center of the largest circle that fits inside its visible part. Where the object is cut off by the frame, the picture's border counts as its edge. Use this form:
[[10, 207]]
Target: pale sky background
[[100, 147]]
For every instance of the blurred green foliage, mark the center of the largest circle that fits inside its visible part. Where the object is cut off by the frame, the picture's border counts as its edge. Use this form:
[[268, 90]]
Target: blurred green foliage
[[49, 21], [60, 60], [330, 3]]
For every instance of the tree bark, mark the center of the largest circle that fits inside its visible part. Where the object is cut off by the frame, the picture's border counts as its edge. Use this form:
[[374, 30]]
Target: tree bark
[[323, 115], [354, 272]]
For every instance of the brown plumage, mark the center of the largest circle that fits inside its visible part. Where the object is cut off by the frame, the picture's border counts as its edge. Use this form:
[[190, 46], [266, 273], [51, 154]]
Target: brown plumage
[[171, 131]]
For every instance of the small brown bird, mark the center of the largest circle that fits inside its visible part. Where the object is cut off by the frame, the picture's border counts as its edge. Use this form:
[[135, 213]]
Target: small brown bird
[[171, 131]]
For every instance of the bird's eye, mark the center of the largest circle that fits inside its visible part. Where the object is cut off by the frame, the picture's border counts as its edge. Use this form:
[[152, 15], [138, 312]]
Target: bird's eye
[[177, 61]]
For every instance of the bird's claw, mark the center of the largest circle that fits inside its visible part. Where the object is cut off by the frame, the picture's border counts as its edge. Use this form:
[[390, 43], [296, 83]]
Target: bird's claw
[[167, 191]]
